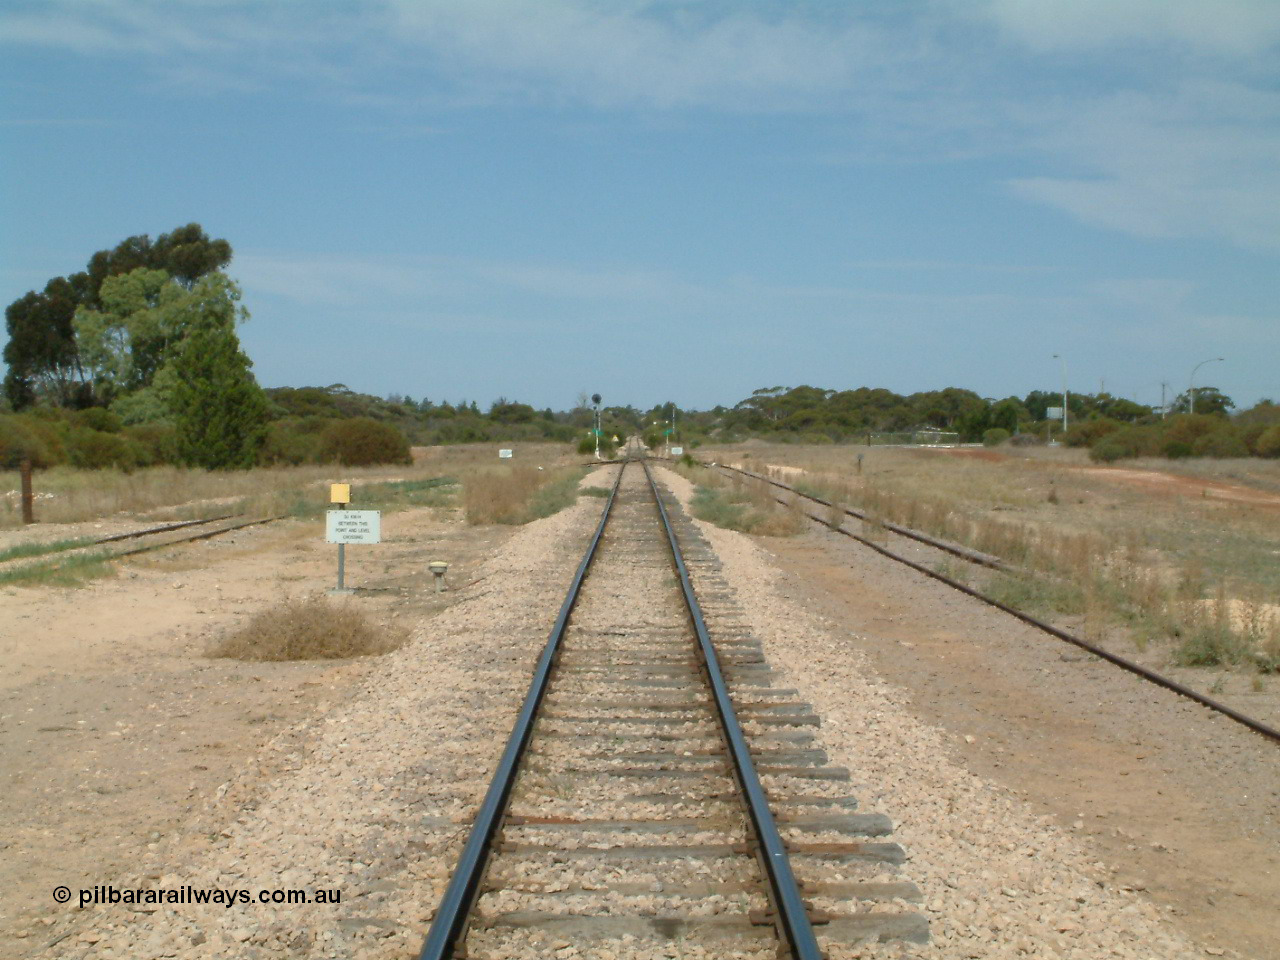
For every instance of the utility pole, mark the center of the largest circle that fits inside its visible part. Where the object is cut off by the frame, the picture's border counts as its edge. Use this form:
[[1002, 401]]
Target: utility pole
[[1164, 407]]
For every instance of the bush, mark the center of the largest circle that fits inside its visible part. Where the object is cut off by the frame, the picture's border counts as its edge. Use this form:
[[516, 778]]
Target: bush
[[294, 441], [94, 450], [153, 443], [994, 437], [1188, 428], [362, 442], [1085, 433], [1176, 449], [98, 418], [311, 629], [1142, 441], [1108, 451], [1222, 444], [1268, 444], [19, 441], [587, 447]]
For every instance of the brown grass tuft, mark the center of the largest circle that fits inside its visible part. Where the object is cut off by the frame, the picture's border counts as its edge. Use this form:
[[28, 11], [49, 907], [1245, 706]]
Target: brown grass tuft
[[313, 628]]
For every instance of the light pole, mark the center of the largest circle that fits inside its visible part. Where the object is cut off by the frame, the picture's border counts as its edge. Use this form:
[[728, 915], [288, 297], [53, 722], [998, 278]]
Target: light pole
[[1191, 391], [1064, 395]]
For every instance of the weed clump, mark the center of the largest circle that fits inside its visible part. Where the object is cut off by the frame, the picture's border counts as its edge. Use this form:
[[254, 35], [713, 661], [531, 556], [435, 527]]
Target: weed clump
[[308, 629], [747, 509], [518, 494]]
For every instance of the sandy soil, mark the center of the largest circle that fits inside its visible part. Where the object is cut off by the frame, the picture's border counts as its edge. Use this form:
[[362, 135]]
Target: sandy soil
[[1178, 803], [1156, 482], [117, 734]]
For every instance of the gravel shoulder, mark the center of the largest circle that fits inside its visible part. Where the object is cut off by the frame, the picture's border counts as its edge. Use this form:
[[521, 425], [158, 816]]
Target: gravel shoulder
[[1001, 878], [366, 799]]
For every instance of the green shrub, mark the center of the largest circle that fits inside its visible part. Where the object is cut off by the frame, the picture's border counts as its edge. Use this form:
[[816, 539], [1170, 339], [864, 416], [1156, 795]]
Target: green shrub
[[1138, 441], [19, 441], [1268, 444], [362, 442], [587, 447], [1108, 451], [1220, 444], [94, 450], [98, 418], [1176, 449], [153, 443], [294, 441], [994, 437], [1188, 428], [1085, 433]]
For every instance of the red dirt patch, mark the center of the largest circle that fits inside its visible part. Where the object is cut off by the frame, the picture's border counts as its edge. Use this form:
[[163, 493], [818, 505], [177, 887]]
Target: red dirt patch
[[988, 455], [1171, 484]]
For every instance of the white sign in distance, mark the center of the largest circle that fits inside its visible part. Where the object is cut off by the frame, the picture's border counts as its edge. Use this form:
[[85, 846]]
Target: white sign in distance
[[505, 454], [353, 526], [677, 451], [1053, 413]]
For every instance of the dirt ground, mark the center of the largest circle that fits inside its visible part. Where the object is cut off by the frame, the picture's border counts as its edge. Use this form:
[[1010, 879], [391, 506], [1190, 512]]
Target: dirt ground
[[117, 733], [115, 729], [1177, 801], [1157, 482]]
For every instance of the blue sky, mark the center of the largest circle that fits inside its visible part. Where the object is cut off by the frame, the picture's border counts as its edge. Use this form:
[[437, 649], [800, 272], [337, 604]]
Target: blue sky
[[656, 199]]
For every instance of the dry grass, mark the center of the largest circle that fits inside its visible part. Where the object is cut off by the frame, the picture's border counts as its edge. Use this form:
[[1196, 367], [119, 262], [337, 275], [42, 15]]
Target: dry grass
[[314, 628], [742, 504], [1141, 559], [68, 495], [517, 493]]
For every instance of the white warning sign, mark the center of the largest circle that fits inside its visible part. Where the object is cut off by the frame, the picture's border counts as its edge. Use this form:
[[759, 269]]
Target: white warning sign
[[353, 526]]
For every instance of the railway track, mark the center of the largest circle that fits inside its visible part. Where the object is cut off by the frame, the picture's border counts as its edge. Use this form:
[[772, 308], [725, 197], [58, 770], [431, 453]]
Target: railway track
[[1151, 676], [151, 538], [659, 784]]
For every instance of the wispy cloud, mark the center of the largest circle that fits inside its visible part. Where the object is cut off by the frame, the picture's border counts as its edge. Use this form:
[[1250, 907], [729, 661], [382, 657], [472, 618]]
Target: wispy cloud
[[910, 82], [1232, 28], [1199, 162]]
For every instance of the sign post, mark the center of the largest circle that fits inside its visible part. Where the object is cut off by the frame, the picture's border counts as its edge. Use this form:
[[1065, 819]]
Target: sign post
[[343, 526]]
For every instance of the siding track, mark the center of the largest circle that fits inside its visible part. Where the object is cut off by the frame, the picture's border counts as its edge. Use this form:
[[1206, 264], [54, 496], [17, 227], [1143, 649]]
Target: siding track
[[652, 774], [1252, 723]]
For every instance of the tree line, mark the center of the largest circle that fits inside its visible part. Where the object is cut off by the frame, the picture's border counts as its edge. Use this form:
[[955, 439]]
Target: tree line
[[135, 360]]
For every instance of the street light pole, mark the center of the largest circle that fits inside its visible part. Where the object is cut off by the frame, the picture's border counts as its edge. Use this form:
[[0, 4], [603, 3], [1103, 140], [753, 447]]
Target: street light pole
[[1064, 394], [1191, 391]]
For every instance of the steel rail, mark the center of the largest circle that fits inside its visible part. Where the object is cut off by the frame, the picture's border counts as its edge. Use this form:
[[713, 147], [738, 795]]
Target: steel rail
[[792, 919], [1160, 680], [163, 529], [973, 556], [449, 926], [204, 535]]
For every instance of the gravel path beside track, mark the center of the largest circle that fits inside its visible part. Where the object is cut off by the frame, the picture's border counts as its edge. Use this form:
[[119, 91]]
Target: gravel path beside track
[[373, 809], [999, 881]]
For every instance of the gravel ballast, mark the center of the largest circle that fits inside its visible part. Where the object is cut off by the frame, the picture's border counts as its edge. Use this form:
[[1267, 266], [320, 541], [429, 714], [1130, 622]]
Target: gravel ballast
[[998, 879], [373, 809]]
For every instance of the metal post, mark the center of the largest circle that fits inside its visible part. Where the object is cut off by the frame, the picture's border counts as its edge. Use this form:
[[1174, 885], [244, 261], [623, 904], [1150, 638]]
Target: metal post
[[28, 498], [1191, 391], [342, 560]]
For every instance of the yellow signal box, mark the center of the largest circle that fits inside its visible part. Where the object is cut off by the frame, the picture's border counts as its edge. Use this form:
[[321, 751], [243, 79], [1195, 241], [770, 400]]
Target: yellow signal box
[[339, 493]]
